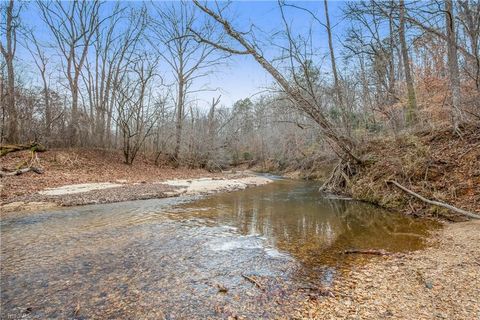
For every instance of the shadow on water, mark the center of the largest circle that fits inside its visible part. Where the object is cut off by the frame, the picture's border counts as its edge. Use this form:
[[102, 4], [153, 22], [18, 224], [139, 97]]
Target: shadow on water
[[178, 258]]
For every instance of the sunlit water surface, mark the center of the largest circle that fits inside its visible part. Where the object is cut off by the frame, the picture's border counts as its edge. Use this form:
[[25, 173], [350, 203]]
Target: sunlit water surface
[[190, 258]]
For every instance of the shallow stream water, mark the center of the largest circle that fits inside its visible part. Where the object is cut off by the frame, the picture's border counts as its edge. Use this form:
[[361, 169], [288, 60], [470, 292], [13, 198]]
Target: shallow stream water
[[254, 253]]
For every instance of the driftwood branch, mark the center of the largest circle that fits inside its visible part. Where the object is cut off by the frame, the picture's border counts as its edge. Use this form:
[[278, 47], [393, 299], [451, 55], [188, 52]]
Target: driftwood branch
[[255, 282], [436, 203]]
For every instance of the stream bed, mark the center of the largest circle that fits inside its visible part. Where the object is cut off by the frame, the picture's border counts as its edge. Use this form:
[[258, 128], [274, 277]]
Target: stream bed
[[254, 253]]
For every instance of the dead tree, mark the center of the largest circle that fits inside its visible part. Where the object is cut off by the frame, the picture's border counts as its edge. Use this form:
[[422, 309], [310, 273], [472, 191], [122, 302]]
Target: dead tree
[[434, 202]]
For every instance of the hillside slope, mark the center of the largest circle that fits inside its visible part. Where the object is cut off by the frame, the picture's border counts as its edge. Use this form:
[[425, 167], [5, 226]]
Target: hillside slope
[[438, 165]]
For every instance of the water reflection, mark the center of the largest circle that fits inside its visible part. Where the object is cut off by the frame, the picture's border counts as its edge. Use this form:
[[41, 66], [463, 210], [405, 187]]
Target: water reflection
[[168, 258], [293, 218]]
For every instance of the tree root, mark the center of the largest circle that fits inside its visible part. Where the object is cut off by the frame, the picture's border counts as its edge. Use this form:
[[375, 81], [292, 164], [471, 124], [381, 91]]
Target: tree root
[[340, 177]]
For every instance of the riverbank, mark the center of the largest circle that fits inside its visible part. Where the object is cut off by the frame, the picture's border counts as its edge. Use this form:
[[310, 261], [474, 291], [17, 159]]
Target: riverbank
[[97, 193], [74, 166], [437, 164], [79, 177], [439, 282]]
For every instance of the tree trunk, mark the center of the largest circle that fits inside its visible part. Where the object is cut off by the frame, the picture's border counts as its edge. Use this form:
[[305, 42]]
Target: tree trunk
[[338, 89], [453, 65], [48, 111], [391, 61], [436, 203], [179, 120], [412, 101], [20, 171], [8, 54], [73, 128]]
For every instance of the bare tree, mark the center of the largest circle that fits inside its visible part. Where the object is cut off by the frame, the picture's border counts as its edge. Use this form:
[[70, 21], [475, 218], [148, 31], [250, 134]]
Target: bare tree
[[41, 61], [73, 26], [136, 110], [211, 125], [188, 59], [453, 65], [344, 146], [8, 51], [113, 50], [337, 85], [469, 18], [412, 100]]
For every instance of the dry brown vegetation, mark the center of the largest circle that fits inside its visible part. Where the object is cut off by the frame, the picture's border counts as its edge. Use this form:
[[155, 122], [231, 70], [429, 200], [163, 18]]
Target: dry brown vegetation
[[438, 165]]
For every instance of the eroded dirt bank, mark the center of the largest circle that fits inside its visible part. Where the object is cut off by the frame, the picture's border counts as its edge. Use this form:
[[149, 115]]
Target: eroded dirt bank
[[439, 165], [440, 282]]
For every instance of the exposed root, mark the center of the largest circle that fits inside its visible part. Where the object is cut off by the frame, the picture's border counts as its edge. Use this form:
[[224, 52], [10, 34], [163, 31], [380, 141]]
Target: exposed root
[[340, 177]]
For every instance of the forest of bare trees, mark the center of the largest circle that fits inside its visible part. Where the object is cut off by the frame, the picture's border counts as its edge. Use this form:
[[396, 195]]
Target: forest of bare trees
[[126, 76]]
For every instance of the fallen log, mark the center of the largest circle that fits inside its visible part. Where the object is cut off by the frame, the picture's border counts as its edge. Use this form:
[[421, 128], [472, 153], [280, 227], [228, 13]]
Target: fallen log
[[435, 203], [20, 171], [8, 148], [368, 251]]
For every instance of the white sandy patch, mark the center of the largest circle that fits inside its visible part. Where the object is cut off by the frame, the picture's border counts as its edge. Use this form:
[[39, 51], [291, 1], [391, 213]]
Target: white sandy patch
[[209, 185], [78, 188], [190, 187]]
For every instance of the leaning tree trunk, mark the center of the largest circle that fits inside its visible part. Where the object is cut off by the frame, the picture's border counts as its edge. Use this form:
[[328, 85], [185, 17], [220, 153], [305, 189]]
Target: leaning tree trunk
[[344, 145]]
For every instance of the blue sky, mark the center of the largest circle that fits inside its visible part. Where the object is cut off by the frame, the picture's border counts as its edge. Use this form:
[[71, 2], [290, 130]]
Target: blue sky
[[242, 76]]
